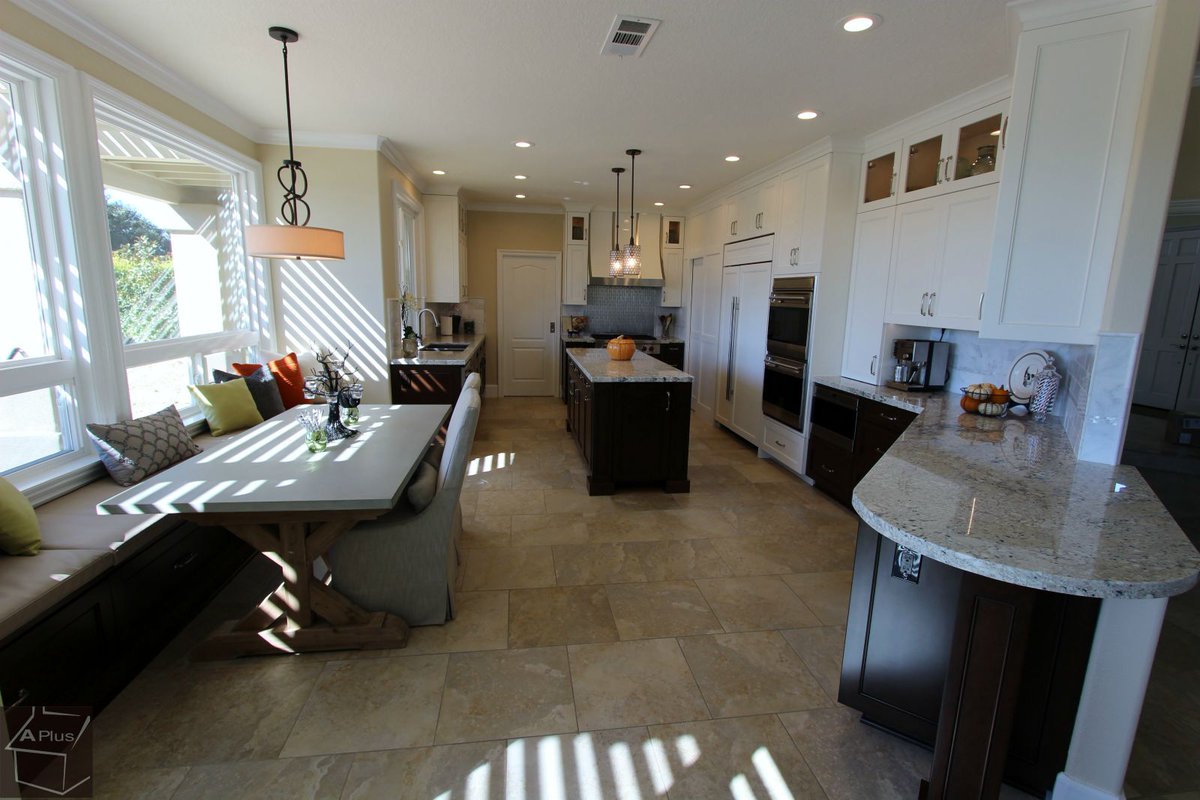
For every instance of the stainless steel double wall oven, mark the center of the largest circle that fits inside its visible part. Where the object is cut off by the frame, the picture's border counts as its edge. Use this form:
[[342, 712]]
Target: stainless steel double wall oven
[[788, 324]]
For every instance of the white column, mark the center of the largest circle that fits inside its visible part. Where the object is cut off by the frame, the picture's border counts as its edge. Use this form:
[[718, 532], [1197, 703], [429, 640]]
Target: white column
[[1111, 702]]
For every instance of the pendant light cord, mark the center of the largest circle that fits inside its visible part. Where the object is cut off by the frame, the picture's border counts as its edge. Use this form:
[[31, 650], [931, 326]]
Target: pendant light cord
[[287, 99], [632, 181], [293, 197]]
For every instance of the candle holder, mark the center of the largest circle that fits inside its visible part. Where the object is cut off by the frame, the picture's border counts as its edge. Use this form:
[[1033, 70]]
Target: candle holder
[[349, 398]]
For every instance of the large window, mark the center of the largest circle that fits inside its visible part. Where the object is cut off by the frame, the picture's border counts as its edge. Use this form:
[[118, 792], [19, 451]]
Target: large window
[[122, 261], [39, 335], [184, 290]]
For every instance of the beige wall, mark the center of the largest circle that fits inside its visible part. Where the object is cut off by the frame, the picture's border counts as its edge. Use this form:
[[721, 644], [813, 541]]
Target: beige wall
[[489, 231], [332, 304], [1187, 168], [30, 29]]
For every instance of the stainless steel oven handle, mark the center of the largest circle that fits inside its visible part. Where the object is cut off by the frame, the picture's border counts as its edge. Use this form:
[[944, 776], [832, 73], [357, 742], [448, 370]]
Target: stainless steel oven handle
[[781, 367], [732, 336]]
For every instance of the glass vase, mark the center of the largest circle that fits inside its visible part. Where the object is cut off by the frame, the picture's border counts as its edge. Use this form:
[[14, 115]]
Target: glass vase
[[316, 440]]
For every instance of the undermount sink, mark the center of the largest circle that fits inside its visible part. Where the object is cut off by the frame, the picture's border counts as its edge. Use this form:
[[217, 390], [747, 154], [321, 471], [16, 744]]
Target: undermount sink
[[444, 346]]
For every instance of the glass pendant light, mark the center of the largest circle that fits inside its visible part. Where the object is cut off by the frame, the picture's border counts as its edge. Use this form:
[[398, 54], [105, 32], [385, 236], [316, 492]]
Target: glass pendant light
[[632, 266], [616, 259], [295, 239]]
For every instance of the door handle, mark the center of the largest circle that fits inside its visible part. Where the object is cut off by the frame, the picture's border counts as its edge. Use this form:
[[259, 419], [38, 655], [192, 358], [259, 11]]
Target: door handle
[[981, 294], [1004, 134], [932, 297], [938, 175], [949, 161], [552, 327], [874, 359], [668, 401], [924, 300], [892, 191], [729, 363]]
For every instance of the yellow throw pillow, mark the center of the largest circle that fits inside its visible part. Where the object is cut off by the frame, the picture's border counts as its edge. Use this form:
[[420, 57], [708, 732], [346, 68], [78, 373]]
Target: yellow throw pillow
[[228, 407], [19, 532]]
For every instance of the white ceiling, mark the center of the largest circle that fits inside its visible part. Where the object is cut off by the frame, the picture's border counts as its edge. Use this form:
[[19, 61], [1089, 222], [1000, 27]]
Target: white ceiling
[[454, 82]]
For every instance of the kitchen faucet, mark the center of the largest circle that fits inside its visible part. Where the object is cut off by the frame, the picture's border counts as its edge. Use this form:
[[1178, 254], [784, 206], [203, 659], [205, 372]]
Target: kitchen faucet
[[435, 322]]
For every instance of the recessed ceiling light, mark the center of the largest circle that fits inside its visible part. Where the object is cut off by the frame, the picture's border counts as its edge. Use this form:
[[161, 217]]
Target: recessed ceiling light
[[566, 198], [808, 113], [519, 196], [439, 172], [523, 144], [731, 159], [685, 186], [857, 23], [519, 177], [658, 204]]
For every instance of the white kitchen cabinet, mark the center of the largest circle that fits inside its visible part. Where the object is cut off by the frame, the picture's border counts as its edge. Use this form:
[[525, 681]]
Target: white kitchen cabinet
[[672, 268], [1077, 88], [880, 175], [939, 259], [446, 249], [804, 193], [786, 445], [864, 356], [575, 275], [941, 159], [648, 236], [745, 297], [600, 241], [755, 211]]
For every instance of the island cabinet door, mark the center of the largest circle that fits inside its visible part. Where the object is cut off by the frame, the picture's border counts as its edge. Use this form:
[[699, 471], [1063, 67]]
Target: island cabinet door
[[641, 434]]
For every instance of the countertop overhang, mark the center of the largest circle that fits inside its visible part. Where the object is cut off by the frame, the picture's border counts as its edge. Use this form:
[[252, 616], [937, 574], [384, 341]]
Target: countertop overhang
[[1007, 499], [599, 368]]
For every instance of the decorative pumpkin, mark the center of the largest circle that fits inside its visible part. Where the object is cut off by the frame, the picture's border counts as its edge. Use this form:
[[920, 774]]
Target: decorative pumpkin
[[992, 409], [620, 348], [969, 403], [1000, 395]]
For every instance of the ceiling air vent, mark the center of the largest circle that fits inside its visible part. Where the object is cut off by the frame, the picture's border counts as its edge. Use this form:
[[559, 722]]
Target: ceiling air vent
[[628, 36]]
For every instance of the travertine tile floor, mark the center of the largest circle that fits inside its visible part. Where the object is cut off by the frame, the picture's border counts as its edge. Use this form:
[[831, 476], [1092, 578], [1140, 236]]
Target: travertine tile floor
[[636, 646]]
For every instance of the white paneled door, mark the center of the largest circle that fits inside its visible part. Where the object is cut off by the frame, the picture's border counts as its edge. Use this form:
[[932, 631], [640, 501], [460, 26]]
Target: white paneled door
[[528, 303], [1168, 374]]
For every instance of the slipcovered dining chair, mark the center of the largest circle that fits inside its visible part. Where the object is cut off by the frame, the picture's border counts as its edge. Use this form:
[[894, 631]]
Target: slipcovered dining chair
[[473, 381], [406, 562]]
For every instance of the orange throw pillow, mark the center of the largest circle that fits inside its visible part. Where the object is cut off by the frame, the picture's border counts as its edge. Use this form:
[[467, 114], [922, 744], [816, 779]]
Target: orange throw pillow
[[287, 374]]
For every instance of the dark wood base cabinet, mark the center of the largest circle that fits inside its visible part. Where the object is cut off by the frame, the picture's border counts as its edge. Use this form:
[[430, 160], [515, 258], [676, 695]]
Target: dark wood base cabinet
[[86, 650], [630, 433], [434, 383], [949, 646]]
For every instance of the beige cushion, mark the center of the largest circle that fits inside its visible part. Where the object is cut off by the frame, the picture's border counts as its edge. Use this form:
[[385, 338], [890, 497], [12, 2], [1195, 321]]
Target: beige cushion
[[31, 586], [422, 487], [72, 523]]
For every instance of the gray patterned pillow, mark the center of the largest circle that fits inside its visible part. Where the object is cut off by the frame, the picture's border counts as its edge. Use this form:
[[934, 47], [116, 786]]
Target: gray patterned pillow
[[132, 450]]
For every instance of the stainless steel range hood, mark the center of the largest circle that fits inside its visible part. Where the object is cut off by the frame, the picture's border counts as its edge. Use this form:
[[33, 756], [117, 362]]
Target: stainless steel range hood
[[648, 234]]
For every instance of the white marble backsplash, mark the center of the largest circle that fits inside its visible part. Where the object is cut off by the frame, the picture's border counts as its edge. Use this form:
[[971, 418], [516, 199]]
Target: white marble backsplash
[[1109, 395]]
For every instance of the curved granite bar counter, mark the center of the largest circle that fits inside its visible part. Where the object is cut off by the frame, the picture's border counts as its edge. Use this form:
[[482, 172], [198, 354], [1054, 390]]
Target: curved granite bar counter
[[1006, 498]]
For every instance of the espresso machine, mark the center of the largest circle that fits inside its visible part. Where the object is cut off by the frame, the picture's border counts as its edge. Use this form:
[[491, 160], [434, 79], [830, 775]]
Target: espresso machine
[[922, 365]]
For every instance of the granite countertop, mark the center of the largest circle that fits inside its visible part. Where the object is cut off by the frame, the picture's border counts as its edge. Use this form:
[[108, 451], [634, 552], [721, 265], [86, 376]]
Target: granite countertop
[[587, 338], [449, 358], [599, 368], [1006, 498]]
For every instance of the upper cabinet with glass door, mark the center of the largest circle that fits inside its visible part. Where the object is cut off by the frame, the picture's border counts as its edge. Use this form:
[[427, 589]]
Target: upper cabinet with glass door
[[880, 176], [958, 155]]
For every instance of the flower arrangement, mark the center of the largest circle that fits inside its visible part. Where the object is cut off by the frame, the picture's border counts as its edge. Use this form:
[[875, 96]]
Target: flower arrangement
[[408, 302]]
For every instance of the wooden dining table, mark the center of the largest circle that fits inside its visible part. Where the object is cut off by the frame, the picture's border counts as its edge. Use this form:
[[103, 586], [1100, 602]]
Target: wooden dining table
[[265, 487]]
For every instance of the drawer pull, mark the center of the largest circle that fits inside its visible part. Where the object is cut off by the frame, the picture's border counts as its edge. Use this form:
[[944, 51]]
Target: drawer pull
[[779, 443], [889, 419], [830, 470], [184, 560]]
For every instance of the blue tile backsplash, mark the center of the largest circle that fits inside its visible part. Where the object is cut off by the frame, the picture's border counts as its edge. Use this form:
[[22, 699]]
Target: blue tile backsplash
[[619, 309]]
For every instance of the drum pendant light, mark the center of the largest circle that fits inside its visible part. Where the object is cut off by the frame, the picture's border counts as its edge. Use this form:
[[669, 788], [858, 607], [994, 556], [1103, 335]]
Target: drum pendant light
[[632, 265], [616, 258], [295, 239]]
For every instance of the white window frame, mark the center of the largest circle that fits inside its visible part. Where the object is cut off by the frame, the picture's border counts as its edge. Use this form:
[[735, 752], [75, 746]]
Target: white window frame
[[119, 109], [50, 92], [402, 204]]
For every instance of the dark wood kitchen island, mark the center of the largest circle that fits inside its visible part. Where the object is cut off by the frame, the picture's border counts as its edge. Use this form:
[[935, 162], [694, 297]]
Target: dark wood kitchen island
[[630, 420]]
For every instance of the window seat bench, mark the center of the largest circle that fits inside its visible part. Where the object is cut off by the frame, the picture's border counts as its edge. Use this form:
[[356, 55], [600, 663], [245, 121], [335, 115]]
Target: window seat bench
[[79, 620]]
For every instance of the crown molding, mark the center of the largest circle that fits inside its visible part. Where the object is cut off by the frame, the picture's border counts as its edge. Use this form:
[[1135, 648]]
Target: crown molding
[[514, 208], [395, 156], [968, 101], [89, 33], [337, 141], [1043, 13], [1184, 207]]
